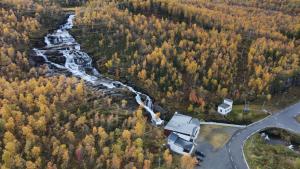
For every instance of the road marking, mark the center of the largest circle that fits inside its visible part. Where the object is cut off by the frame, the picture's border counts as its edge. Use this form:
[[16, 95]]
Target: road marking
[[223, 124], [292, 130], [271, 121]]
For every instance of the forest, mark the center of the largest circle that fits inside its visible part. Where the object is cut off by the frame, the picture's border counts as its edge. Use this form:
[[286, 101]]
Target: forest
[[193, 52], [187, 54], [57, 121]]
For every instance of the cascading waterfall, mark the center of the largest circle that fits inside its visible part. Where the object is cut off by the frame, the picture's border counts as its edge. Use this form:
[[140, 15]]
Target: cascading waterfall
[[78, 62]]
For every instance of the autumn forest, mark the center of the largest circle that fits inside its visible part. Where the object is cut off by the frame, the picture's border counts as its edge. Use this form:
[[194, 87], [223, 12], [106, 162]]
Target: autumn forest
[[195, 52], [186, 54]]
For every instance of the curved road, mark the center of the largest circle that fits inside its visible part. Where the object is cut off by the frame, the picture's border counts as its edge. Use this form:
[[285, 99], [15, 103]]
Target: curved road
[[284, 119]]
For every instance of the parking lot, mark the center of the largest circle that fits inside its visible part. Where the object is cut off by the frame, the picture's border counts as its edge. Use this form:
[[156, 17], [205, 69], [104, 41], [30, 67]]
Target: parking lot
[[211, 142]]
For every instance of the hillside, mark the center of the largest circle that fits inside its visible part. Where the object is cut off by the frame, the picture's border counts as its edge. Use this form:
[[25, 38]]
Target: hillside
[[55, 121], [91, 101], [195, 53]]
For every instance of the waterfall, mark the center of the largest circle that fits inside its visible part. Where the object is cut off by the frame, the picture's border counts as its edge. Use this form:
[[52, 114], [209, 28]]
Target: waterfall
[[77, 62]]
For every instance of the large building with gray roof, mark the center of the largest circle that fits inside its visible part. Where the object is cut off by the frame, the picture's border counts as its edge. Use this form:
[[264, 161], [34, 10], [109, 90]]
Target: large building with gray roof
[[182, 131]]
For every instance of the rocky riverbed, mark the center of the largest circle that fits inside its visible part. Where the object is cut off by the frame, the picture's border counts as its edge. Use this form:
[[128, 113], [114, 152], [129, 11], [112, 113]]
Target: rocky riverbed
[[63, 55]]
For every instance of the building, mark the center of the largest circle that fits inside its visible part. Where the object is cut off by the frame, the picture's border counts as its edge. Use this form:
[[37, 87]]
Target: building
[[180, 145], [185, 126], [225, 107], [182, 131]]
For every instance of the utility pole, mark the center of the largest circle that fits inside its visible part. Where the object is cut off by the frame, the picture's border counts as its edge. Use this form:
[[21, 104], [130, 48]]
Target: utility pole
[[263, 106], [246, 107]]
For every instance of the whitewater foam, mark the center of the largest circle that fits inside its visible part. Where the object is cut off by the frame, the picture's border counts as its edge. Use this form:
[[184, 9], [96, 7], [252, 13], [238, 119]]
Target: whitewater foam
[[78, 61]]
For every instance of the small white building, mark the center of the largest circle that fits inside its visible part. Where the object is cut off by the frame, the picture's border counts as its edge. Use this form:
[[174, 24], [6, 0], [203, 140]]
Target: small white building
[[225, 107]]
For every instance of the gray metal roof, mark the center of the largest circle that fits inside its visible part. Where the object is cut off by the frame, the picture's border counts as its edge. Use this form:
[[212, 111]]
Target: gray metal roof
[[224, 105], [183, 124], [195, 122], [181, 144], [172, 137]]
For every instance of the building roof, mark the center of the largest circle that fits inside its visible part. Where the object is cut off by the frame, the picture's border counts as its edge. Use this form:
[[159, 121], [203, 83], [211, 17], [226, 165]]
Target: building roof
[[183, 124], [224, 105], [229, 100], [195, 121], [172, 137], [178, 144]]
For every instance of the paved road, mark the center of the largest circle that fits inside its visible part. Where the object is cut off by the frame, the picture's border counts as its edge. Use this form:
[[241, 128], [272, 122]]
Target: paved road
[[231, 156], [284, 119]]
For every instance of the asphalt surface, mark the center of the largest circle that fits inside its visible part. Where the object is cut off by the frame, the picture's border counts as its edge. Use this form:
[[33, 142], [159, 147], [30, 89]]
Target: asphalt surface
[[231, 156]]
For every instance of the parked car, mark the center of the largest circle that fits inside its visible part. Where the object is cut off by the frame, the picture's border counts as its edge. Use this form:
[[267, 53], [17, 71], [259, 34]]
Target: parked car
[[199, 158], [199, 153]]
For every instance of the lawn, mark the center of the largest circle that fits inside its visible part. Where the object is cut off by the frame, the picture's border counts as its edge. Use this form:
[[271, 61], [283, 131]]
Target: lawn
[[261, 108], [262, 155], [256, 112], [298, 118], [236, 116], [217, 136]]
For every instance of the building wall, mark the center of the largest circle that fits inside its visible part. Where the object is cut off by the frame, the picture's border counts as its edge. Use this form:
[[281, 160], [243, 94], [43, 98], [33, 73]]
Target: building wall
[[224, 111]]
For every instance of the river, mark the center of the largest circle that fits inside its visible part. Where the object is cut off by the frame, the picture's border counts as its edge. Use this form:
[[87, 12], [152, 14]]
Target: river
[[62, 52]]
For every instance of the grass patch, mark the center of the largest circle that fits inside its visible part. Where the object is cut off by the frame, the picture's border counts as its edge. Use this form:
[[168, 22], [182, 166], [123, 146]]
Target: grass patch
[[262, 155], [219, 140], [236, 116], [215, 135], [298, 118], [260, 108], [255, 113]]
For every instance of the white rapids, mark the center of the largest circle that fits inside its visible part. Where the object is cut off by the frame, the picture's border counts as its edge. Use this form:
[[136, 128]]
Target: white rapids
[[77, 62]]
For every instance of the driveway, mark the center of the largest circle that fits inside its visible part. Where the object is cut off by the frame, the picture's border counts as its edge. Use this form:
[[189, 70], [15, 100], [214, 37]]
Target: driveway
[[212, 142]]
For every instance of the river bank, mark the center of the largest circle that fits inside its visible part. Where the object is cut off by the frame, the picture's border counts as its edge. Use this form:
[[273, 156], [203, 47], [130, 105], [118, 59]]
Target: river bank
[[109, 106], [62, 52]]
